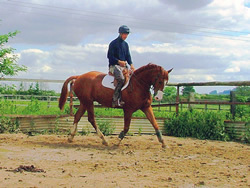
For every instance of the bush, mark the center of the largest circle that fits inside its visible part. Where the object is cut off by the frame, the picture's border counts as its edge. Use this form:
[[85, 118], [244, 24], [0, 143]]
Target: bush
[[245, 137], [201, 125], [7, 125], [242, 113], [106, 127], [33, 107]]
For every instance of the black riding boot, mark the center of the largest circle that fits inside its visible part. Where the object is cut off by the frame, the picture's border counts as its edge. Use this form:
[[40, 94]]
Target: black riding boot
[[116, 101]]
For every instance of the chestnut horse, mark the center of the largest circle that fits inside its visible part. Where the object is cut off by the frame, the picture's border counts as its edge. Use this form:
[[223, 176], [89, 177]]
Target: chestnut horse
[[88, 88]]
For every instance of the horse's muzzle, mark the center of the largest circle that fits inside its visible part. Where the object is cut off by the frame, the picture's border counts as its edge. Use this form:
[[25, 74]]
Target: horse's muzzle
[[159, 96]]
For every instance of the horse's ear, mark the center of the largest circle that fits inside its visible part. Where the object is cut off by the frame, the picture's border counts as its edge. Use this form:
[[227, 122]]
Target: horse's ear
[[170, 70]]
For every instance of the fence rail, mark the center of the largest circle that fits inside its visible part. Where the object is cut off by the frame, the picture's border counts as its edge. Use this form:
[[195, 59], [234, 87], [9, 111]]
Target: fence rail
[[45, 123], [31, 80], [233, 83], [64, 122], [177, 102], [232, 103]]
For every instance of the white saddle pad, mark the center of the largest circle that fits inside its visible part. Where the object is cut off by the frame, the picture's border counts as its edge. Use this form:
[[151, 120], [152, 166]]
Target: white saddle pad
[[108, 82]]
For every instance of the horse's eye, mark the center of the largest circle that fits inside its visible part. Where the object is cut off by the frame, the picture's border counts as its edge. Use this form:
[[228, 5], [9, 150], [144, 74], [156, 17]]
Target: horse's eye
[[160, 82]]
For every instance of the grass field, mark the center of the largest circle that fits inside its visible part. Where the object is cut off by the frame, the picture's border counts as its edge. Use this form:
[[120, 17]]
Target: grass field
[[40, 107]]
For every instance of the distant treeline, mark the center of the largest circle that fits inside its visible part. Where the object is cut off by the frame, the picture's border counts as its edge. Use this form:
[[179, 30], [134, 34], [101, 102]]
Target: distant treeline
[[242, 92], [34, 89]]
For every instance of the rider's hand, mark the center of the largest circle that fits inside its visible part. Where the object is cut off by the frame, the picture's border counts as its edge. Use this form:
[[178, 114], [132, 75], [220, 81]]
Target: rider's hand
[[132, 67], [122, 63]]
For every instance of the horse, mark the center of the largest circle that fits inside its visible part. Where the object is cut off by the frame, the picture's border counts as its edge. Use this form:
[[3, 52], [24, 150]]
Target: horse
[[137, 96]]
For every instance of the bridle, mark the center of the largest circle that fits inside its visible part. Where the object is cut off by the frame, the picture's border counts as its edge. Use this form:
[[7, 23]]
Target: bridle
[[156, 79], [143, 83]]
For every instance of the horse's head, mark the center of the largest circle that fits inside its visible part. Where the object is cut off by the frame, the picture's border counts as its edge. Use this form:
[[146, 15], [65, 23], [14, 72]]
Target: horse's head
[[153, 75], [160, 81]]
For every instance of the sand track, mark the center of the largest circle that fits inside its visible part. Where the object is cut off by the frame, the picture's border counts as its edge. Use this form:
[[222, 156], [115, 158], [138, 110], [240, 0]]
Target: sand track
[[138, 162]]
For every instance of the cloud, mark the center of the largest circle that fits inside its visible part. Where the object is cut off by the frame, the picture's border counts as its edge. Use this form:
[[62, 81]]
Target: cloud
[[46, 68], [187, 4], [239, 66], [64, 60], [33, 51], [232, 69], [204, 40]]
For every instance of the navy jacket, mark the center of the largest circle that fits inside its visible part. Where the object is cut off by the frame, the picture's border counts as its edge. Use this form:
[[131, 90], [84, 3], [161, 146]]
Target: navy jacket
[[118, 50]]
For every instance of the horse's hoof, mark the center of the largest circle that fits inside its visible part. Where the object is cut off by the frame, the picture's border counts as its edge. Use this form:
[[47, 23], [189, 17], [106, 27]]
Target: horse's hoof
[[164, 146], [70, 139], [119, 142], [105, 143]]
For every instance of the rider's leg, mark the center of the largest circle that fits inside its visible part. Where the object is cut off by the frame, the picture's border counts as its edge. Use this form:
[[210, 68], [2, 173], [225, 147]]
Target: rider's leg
[[120, 82]]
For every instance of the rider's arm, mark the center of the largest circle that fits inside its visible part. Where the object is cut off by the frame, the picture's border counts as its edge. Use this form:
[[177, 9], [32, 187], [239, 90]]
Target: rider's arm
[[128, 56], [111, 55]]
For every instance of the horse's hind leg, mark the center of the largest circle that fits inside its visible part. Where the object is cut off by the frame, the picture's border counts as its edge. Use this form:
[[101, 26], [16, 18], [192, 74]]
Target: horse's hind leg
[[77, 118], [127, 120], [91, 119]]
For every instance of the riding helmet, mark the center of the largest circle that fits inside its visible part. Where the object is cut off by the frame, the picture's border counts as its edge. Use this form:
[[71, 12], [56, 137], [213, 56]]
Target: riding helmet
[[124, 29]]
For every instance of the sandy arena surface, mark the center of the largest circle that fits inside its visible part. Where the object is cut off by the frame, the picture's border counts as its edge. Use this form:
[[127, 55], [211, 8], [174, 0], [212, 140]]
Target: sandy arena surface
[[138, 162]]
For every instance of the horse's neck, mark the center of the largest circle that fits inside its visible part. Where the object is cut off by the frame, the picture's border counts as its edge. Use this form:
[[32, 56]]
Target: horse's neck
[[144, 79]]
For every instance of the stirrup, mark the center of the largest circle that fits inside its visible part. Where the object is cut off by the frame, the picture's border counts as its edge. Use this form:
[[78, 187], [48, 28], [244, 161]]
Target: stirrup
[[118, 103], [121, 103]]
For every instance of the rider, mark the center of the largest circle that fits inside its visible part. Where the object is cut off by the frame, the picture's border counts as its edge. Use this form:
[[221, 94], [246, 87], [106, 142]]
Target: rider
[[119, 57]]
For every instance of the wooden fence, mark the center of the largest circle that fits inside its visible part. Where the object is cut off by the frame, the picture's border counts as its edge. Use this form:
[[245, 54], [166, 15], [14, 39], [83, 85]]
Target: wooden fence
[[177, 102], [138, 125], [40, 123], [231, 103], [53, 123]]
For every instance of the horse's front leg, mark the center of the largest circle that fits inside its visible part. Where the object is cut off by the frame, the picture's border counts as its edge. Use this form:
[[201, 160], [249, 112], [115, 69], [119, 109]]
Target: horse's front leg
[[127, 120], [150, 115]]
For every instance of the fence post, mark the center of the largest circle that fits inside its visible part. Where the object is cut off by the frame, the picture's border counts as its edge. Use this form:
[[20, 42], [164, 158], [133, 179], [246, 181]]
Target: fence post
[[191, 98], [177, 100], [48, 99], [206, 107], [233, 106]]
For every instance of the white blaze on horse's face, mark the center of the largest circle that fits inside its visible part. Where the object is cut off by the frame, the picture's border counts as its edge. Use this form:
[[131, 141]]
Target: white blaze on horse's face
[[159, 96], [160, 93]]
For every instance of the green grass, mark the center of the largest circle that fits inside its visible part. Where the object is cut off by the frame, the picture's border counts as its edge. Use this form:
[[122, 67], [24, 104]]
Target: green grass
[[32, 107], [39, 107]]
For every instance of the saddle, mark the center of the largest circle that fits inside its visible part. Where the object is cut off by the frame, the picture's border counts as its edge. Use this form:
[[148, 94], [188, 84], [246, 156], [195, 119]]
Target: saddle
[[109, 80], [126, 75]]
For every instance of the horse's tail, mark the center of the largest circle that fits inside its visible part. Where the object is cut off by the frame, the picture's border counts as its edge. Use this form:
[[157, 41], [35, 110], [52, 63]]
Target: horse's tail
[[64, 92]]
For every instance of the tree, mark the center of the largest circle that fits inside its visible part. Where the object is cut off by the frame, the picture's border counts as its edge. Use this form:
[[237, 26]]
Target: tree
[[169, 94], [243, 90], [8, 60], [170, 91], [187, 90], [243, 94]]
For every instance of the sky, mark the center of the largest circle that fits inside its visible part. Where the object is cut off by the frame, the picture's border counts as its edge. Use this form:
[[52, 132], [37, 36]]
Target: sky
[[205, 40]]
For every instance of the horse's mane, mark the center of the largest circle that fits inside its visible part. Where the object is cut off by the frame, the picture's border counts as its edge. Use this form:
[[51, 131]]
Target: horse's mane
[[149, 66]]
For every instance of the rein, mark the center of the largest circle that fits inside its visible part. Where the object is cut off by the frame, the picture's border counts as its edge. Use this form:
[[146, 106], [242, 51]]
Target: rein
[[151, 86]]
